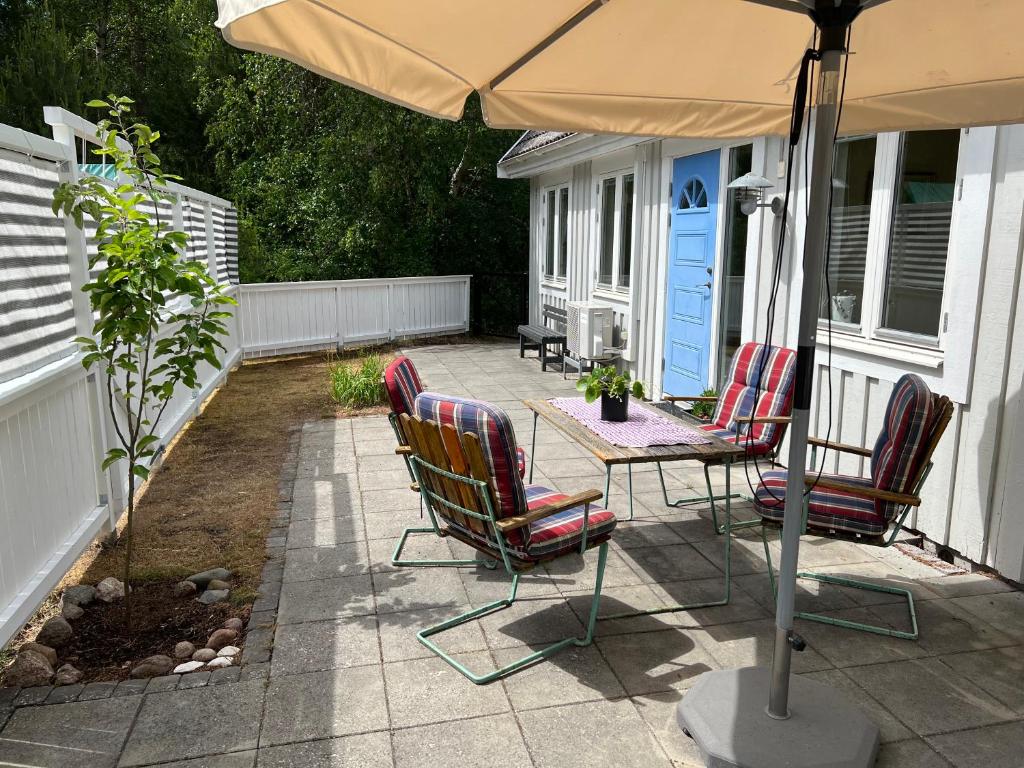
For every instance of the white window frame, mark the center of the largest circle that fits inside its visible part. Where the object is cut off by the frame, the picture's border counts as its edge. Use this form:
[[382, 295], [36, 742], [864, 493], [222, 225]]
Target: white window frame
[[555, 278], [870, 334], [614, 287]]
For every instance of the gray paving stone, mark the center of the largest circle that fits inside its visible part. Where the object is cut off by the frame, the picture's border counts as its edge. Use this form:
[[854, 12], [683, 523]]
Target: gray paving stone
[[368, 750], [658, 710], [101, 690], [1005, 611], [656, 661], [749, 643], [130, 687], [572, 675], [225, 675], [8, 695], [36, 695], [164, 683], [910, 754], [259, 671], [185, 724], [411, 589], [995, 746], [319, 645], [193, 680], [84, 734], [890, 726], [929, 697], [245, 759], [998, 672], [62, 694], [259, 642], [326, 599], [326, 562], [325, 532], [398, 635], [492, 741], [430, 691], [321, 705], [606, 733], [946, 627]]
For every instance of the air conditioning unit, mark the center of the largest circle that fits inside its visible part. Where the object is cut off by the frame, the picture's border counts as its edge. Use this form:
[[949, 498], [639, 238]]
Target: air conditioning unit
[[588, 329]]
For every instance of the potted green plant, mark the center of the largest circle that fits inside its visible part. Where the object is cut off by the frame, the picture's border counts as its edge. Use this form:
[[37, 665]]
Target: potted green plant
[[704, 409], [613, 388]]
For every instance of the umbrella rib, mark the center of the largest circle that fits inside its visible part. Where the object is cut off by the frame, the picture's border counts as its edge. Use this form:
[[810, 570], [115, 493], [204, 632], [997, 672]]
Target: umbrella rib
[[563, 29], [378, 33]]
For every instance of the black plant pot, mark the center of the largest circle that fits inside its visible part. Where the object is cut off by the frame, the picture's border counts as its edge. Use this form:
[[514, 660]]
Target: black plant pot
[[614, 408]]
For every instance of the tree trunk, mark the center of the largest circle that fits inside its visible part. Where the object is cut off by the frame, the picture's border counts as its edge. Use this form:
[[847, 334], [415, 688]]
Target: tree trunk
[[127, 574]]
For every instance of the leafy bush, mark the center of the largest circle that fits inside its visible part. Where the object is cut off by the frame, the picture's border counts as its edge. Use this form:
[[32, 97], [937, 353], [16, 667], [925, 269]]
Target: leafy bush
[[704, 410], [360, 386]]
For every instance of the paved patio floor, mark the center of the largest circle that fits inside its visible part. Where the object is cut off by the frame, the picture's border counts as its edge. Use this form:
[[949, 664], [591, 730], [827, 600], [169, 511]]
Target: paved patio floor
[[349, 685]]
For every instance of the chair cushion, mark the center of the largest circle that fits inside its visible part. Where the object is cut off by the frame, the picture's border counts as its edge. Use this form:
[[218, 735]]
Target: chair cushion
[[497, 441], [402, 383], [775, 392], [562, 532], [753, 446], [521, 462], [899, 450], [829, 509]]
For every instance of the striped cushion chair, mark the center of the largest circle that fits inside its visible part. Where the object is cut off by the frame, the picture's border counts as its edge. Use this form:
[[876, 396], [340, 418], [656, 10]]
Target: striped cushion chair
[[463, 455], [756, 372], [871, 509], [402, 384]]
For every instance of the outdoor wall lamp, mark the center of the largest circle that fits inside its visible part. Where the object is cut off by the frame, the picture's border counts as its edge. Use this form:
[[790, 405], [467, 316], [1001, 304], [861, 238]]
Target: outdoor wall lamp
[[750, 191]]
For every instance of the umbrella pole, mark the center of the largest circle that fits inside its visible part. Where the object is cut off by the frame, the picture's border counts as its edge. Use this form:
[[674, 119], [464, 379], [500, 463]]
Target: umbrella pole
[[724, 711], [833, 41]]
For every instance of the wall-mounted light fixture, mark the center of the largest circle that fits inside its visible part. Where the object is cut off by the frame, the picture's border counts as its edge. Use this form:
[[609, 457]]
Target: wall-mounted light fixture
[[750, 191]]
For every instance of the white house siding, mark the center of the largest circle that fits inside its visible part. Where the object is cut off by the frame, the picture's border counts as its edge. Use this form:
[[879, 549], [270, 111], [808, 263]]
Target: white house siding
[[971, 501]]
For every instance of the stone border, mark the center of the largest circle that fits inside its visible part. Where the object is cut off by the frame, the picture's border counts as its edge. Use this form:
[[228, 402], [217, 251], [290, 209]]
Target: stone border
[[259, 632]]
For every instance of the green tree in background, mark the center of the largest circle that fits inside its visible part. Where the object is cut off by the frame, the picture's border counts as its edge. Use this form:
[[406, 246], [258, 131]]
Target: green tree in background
[[330, 183]]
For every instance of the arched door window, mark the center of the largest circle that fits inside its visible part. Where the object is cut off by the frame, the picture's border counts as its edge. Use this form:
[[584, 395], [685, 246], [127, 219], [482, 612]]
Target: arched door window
[[693, 194]]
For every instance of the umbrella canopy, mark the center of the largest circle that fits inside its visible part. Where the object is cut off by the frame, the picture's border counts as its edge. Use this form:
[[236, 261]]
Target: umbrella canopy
[[696, 68]]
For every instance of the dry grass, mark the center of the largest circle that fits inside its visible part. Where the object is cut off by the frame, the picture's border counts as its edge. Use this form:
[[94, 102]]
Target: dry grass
[[212, 500]]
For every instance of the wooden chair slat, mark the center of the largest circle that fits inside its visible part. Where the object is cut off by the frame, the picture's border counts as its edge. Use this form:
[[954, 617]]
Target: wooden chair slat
[[434, 452], [478, 464], [457, 463]]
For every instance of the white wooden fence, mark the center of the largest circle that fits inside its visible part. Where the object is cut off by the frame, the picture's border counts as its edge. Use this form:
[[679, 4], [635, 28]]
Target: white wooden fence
[[54, 427], [296, 317]]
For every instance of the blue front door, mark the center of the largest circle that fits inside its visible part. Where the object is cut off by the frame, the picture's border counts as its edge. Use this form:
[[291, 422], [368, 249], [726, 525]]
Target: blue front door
[[691, 253]]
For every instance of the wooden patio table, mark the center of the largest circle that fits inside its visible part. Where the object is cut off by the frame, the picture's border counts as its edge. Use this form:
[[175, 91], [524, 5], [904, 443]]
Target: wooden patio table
[[715, 450]]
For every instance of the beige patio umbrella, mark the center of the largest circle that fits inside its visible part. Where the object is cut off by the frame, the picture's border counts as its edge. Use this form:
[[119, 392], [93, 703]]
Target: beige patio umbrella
[[696, 68]]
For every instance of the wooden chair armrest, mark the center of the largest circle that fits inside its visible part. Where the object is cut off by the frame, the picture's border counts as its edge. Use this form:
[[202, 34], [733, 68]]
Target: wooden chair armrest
[[403, 450], [859, 490], [844, 447], [538, 513], [763, 419], [689, 399]]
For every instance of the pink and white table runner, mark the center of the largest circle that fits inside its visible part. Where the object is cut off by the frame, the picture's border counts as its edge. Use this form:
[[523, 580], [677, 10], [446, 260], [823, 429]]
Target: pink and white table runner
[[643, 429]]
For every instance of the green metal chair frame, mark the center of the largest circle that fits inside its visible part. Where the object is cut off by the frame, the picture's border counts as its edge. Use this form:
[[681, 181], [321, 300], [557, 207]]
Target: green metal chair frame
[[437, 485], [711, 497], [944, 411]]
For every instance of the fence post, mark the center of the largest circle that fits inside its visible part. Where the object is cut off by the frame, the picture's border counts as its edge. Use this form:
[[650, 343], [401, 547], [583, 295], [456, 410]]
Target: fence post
[[339, 316], [468, 299], [211, 242], [391, 312]]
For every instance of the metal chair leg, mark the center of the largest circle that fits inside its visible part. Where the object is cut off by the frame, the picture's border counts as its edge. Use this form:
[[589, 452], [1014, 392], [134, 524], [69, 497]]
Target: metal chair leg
[[424, 635], [710, 497], [728, 569], [913, 634], [396, 557]]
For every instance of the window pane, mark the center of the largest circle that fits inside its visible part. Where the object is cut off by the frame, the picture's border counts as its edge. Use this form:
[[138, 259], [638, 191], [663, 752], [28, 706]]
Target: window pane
[[851, 216], [563, 230], [549, 234], [626, 231], [731, 317], [604, 268], [920, 232]]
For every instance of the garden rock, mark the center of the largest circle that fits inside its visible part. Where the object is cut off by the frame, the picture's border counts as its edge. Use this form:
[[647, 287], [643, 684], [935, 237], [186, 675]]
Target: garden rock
[[70, 611], [153, 666], [185, 589], [211, 596], [56, 632], [184, 650], [67, 675], [80, 595], [220, 638], [109, 590], [218, 584], [45, 650], [188, 666], [204, 655], [229, 651], [220, 661], [28, 670], [234, 623], [201, 580]]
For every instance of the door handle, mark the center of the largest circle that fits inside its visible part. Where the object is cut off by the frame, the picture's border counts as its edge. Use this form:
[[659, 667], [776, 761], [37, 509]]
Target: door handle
[[703, 285]]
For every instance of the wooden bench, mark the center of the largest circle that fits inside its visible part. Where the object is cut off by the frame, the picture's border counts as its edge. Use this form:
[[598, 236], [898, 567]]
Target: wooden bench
[[540, 337]]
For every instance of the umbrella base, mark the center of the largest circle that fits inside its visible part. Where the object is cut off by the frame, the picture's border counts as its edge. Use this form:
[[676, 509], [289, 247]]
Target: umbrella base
[[725, 712]]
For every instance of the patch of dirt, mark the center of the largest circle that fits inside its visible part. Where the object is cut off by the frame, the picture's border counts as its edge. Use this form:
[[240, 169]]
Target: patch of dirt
[[102, 649]]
